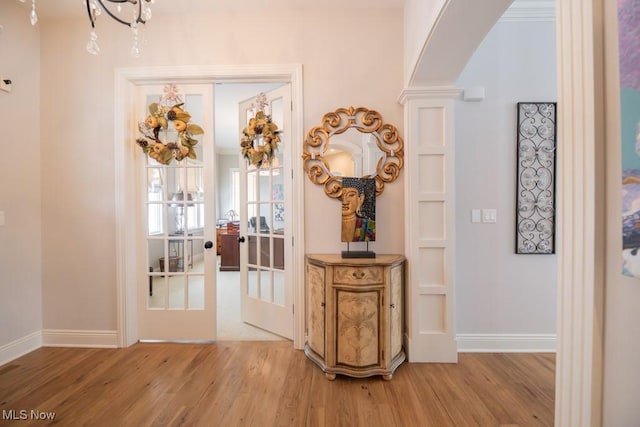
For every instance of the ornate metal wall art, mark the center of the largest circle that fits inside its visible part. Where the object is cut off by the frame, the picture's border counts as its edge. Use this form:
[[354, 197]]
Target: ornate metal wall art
[[387, 140], [535, 224]]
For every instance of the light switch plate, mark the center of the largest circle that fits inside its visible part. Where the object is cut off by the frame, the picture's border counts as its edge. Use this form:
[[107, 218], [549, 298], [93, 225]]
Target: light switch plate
[[475, 216], [489, 216]]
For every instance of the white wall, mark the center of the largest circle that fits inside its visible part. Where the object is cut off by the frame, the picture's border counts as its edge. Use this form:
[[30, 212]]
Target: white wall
[[499, 292], [225, 163], [345, 63], [20, 189]]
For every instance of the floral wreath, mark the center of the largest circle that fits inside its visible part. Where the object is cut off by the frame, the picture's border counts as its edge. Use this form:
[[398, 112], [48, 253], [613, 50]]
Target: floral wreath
[[160, 114], [260, 126]]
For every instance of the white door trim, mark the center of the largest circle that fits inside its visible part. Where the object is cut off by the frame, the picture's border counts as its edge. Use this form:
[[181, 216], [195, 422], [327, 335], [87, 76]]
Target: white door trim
[[126, 205], [581, 220]]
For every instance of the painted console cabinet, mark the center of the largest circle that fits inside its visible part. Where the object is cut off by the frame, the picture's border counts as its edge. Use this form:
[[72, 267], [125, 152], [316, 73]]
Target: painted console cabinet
[[355, 314]]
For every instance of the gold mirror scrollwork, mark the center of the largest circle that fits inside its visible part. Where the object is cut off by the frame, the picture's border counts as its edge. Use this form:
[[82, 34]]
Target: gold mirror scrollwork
[[387, 140]]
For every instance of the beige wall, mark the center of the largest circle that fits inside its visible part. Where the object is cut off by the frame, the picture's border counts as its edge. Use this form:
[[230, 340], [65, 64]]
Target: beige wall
[[345, 63], [20, 250]]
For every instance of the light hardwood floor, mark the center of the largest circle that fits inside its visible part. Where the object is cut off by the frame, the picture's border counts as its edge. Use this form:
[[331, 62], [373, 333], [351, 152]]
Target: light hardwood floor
[[269, 384]]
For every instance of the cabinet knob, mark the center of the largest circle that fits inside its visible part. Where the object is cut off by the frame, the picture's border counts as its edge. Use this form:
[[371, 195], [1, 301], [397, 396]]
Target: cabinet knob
[[322, 304], [208, 244], [392, 306], [241, 239], [358, 274]]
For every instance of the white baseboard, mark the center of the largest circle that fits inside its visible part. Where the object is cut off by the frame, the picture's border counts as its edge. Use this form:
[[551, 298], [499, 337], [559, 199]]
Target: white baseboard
[[20, 347], [506, 343], [79, 338]]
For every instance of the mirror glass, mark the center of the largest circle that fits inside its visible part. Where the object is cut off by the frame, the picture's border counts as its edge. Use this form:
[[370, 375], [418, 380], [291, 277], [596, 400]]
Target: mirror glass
[[352, 142], [353, 153]]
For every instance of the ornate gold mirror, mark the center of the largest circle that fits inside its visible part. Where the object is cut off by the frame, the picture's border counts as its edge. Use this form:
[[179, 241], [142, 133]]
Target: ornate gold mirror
[[352, 142]]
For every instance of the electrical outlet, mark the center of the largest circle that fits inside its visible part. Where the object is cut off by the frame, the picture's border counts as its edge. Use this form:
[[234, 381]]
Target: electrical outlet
[[475, 215]]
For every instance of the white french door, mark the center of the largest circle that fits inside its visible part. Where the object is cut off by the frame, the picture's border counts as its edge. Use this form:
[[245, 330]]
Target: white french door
[[176, 291], [266, 225]]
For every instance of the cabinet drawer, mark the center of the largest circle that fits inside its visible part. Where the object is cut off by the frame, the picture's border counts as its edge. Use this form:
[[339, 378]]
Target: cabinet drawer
[[353, 275]]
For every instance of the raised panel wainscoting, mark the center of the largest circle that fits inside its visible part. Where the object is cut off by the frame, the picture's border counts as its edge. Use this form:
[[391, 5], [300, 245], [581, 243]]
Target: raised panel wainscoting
[[430, 212]]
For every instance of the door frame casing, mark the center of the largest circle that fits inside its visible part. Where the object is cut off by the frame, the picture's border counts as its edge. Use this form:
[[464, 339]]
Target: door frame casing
[[127, 196]]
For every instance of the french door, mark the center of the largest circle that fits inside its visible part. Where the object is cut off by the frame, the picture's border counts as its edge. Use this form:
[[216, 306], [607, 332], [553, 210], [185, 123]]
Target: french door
[[176, 292], [265, 223]]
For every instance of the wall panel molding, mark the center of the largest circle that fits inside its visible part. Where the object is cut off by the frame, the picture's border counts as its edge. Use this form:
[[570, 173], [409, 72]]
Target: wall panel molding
[[430, 214]]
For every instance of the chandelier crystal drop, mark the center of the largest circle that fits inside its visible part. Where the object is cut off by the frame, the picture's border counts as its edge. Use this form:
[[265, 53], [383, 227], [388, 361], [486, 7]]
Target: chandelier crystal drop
[[92, 45], [33, 16], [135, 49]]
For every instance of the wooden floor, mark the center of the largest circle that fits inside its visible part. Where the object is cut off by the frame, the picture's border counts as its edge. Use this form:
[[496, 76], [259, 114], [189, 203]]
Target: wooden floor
[[267, 384]]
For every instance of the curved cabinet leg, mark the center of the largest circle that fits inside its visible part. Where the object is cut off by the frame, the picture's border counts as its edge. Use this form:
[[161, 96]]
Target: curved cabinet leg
[[330, 376], [387, 377]]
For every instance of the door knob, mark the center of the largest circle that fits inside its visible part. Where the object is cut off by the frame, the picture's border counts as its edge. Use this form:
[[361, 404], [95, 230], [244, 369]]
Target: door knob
[[241, 239], [208, 244]]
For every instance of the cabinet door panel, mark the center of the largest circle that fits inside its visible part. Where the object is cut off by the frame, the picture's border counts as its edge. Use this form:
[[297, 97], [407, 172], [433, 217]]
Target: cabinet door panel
[[316, 308], [230, 255], [358, 327], [396, 310]]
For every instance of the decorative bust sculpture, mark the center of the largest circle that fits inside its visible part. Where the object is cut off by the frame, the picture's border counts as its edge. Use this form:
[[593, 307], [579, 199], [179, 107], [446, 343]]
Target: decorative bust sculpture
[[358, 210]]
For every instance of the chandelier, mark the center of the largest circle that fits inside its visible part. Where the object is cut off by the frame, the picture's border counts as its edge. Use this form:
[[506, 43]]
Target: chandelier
[[137, 12]]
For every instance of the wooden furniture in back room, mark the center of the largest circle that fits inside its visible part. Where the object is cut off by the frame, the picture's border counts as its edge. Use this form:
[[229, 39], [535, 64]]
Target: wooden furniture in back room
[[230, 248], [355, 314], [219, 230]]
